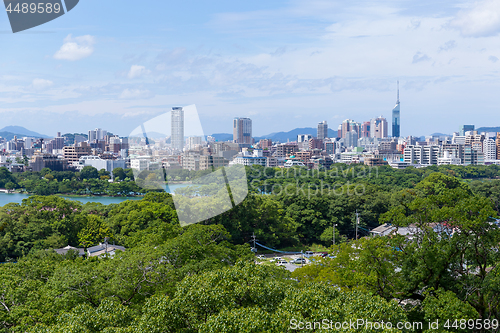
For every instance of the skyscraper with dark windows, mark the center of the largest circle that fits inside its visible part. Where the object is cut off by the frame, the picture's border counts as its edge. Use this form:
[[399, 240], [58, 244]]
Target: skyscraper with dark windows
[[396, 124], [242, 130], [177, 128]]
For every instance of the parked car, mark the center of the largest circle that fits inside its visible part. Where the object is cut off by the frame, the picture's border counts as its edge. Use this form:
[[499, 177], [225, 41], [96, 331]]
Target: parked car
[[275, 259], [261, 256], [308, 254], [281, 262], [298, 261]]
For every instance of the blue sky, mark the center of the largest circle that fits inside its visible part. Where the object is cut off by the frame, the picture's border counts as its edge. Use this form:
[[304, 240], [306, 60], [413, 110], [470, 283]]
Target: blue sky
[[285, 64]]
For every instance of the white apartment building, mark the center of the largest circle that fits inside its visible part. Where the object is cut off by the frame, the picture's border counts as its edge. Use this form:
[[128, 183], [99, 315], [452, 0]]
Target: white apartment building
[[489, 149], [425, 155], [449, 159], [99, 163]]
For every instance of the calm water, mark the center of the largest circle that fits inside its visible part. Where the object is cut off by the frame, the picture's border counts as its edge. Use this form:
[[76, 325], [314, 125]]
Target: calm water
[[18, 198]]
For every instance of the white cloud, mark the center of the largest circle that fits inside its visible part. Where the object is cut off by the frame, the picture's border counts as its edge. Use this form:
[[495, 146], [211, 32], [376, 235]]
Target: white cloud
[[137, 71], [136, 94], [40, 84], [481, 20], [419, 56], [76, 48]]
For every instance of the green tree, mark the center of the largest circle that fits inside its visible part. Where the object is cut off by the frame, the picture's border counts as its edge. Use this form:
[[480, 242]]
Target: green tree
[[119, 174], [89, 172], [95, 231]]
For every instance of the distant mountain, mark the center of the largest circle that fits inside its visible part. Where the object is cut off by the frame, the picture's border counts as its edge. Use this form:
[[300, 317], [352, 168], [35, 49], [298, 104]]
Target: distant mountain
[[221, 137], [440, 134], [8, 135], [292, 135], [488, 129], [21, 131]]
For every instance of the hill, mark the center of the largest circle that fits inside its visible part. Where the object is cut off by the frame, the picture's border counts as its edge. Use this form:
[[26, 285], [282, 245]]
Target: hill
[[292, 135], [21, 131], [221, 137], [488, 129], [440, 134]]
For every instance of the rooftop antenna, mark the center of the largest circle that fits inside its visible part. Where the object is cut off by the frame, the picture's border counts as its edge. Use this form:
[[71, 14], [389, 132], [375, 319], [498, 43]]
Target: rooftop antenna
[[398, 93]]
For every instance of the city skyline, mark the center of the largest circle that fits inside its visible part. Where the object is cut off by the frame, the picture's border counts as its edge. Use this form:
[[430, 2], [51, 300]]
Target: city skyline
[[279, 63]]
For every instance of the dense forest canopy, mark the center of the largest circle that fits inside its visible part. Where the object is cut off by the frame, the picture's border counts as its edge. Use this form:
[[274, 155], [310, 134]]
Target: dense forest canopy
[[204, 278]]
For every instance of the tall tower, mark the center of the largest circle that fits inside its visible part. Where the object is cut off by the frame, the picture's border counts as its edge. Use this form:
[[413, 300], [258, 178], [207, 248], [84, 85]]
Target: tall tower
[[322, 130], [242, 130], [177, 132], [396, 124]]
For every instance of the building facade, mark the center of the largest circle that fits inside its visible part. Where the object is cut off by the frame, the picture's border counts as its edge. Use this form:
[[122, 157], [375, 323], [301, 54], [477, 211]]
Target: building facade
[[242, 130], [322, 130], [177, 128]]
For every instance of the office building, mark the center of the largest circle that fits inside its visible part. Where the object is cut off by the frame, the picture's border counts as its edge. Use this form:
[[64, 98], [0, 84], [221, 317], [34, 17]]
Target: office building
[[207, 162], [242, 130], [473, 156], [194, 142], [265, 143], [330, 147], [315, 144], [351, 139], [322, 130], [396, 122], [489, 148], [348, 126], [378, 128], [424, 155], [452, 151], [365, 129], [245, 158], [304, 138], [449, 159], [498, 146], [97, 135], [283, 150], [73, 154], [99, 163], [177, 128], [465, 128]]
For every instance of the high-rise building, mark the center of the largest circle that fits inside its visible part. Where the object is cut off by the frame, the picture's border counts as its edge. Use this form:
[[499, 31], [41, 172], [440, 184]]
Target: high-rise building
[[378, 128], [177, 130], [339, 131], [365, 130], [396, 123], [349, 125], [498, 146], [242, 130], [489, 149], [351, 139], [322, 130], [465, 128], [97, 135]]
